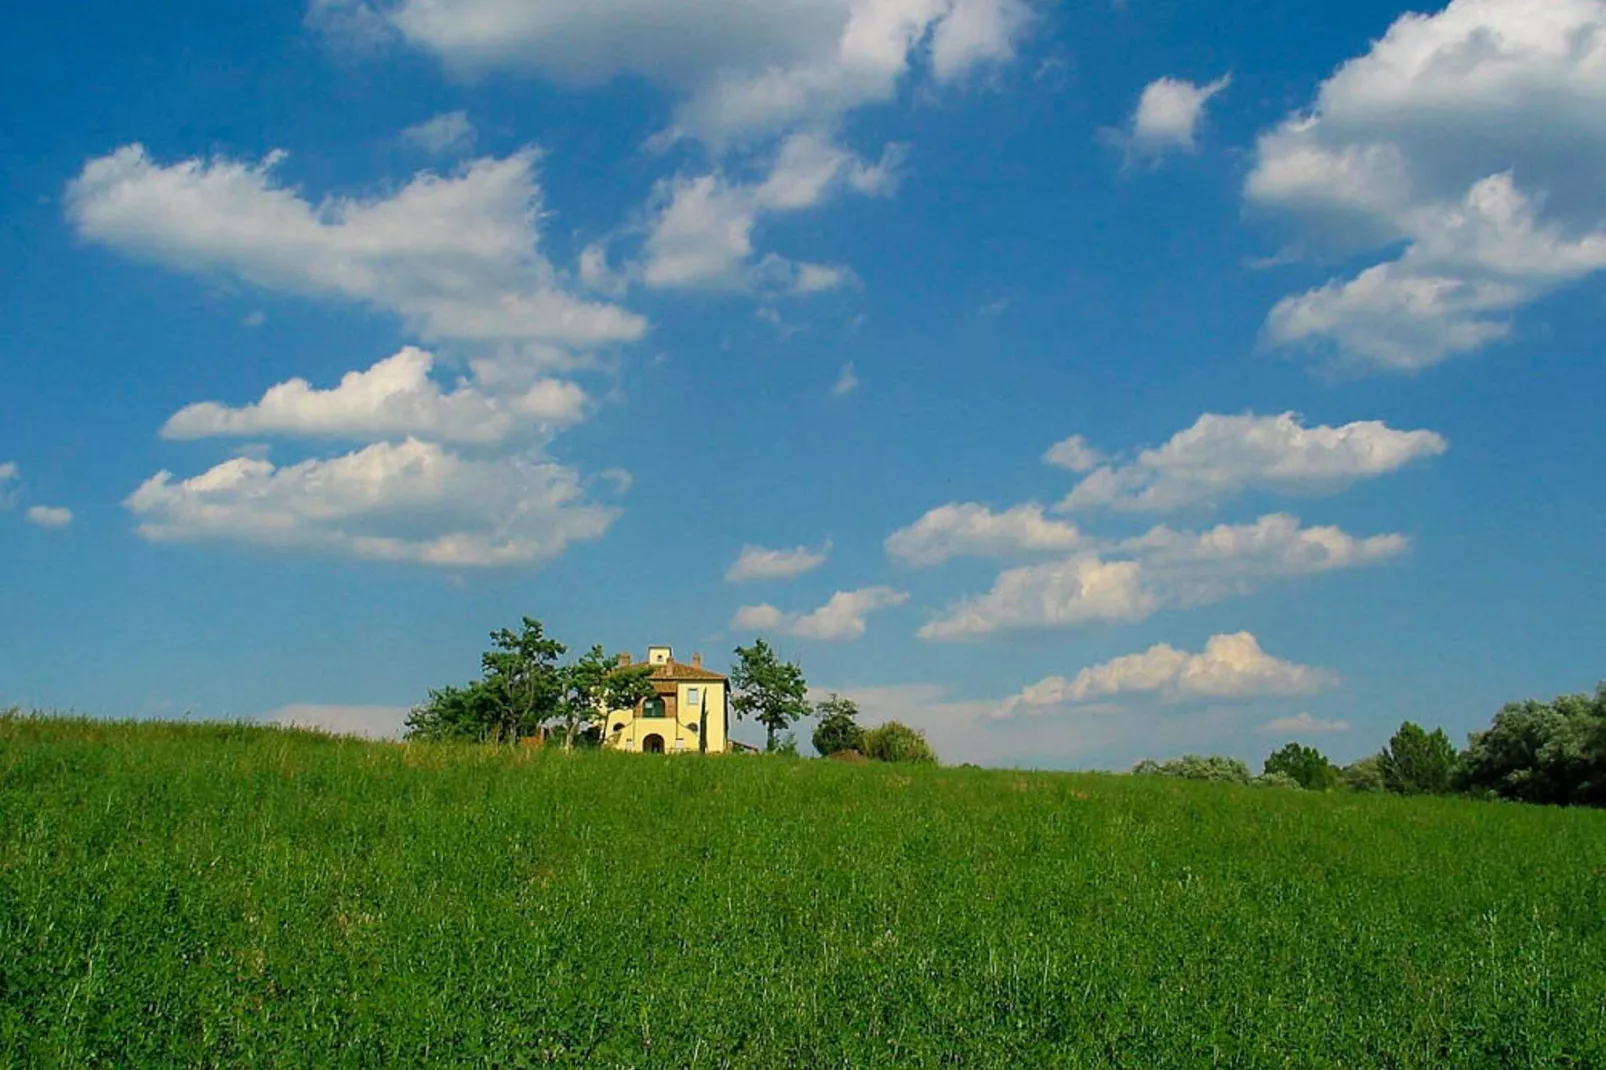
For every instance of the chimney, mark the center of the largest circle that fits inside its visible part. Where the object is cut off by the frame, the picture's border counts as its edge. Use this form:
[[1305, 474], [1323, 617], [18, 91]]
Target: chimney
[[697, 660], [624, 660]]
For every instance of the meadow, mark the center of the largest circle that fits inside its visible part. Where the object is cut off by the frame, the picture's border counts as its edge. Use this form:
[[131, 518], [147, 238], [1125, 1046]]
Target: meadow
[[217, 895]]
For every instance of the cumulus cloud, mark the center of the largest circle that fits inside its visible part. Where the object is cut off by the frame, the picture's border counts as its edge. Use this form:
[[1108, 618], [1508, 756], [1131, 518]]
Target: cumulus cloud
[[738, 67], [1220, 457], [1074, 455], [411, 501], [456, 257], [1161, 569], [757, 563], [971, 530], [842, 617], [367, 722], [1471, 139], [1168, 116], [393, 399], [1303, 725], [445, 134], [1229, 667], [701, 232], [49, 516]]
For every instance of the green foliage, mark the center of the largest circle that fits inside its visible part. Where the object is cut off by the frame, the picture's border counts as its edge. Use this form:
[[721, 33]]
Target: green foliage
[[1276, 779], [595, 684], [1215, 767], [1542, 752], [1365, 774], [897, 742], [194, 896], [520, 690], [785, 746], [1418, 762], [838, 726], [1305, 765], [771, 691]]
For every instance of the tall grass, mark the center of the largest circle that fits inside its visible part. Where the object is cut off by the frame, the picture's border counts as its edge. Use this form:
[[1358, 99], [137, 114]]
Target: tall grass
[[233, 896]]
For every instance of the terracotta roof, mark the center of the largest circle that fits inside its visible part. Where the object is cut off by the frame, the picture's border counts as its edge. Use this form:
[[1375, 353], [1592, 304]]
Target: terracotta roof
[[676, 670]]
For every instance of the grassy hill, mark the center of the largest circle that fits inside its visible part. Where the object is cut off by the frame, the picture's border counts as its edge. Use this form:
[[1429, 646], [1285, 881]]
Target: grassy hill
[[220, 895]]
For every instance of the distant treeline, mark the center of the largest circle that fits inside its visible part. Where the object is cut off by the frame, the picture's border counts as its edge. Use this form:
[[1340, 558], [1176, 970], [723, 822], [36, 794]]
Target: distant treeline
[[1552, 753]]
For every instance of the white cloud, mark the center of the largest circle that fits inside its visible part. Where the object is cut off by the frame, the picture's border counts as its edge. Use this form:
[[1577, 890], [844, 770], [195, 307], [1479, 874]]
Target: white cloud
[[1062, 594], [456, 257], [1220, 457], [368, 722], [738, 66], [842, 617], [1470, 137], [393, 399], [757, 563], [701, 233], [1074, 455], [10, 475], [446, 134], [846, 381], [1168, 116], [971, 530], [49, 516], [1162, 569], [411, 501], [1303, 725], [1229, 667]]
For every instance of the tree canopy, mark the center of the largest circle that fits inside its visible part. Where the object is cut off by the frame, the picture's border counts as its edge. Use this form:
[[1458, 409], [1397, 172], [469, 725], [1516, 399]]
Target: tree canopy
[[897, 742], [1305, 765], [771, 691], [1418, 762], [838, 727], [1542, 752]]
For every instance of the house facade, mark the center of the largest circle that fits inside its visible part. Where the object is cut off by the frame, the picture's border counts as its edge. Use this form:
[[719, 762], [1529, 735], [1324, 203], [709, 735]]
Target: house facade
[[689, 712]]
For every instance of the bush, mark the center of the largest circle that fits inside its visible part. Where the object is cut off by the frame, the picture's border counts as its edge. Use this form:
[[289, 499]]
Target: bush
[[1541, 752], [1198, 767], [1418, 762], [838, 728], [1306, 766], [1276, 780], [895, 742], [1365, 774]]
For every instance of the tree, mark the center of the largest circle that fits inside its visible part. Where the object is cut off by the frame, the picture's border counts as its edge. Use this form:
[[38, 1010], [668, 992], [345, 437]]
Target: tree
[[838, 728], [1418, 762], [771, 691], [1217, 767], [459, 714], [1364, 774], [1308, 767], [1541, 752], [595, 684], [897, 742], [520, 690]]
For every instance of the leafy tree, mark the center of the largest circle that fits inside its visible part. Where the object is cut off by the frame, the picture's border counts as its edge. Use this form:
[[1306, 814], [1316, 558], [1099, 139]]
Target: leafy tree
[[452, 714], [521, 689], [1365, 774], [1198, 767], [595, 684], [897, 742], [768, 689], [838, 728], [1418, 762], [1542, 752], [1276, 780], [1307, 766]]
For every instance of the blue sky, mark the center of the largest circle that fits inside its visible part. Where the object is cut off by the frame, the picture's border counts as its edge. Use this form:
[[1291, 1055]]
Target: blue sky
[[1078, 384]]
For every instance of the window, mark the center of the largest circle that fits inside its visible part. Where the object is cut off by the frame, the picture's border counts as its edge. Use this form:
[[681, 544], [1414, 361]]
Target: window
[[653, 707], [693, 697]]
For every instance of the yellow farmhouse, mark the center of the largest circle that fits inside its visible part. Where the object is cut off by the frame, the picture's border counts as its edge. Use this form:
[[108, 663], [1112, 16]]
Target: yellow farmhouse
[[689, 712]]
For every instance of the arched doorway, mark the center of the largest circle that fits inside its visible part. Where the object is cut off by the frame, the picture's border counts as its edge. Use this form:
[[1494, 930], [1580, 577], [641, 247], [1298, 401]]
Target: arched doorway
[[653, 744]]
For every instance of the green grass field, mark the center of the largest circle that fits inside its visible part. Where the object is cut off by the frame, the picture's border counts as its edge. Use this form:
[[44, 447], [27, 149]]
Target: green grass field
[[229, 896]]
